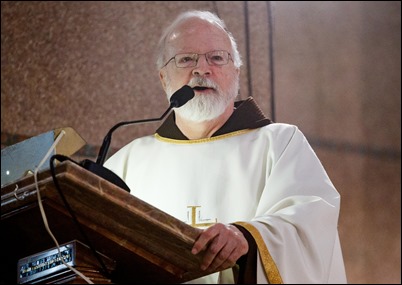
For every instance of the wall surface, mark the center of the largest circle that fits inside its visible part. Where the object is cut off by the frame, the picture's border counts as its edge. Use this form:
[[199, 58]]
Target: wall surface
[[333, 68]]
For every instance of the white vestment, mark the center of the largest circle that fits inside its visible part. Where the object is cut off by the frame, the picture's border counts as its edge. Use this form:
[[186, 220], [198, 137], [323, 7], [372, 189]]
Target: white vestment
[[268, 178]]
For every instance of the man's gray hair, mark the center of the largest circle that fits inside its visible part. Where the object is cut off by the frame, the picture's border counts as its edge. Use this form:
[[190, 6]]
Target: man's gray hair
[[203, 15]]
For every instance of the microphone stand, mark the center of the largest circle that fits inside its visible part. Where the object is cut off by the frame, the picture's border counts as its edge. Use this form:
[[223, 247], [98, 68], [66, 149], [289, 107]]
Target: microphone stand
[[108, 138], [178, 99]]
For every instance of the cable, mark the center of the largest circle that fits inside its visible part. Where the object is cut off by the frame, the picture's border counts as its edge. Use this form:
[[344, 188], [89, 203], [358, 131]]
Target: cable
[[87, 240], [42, 211], [271, 58], [248, 60]]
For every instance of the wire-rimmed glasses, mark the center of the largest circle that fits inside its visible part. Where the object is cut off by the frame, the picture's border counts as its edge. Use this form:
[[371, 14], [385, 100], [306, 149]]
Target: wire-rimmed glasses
[[215, 57]]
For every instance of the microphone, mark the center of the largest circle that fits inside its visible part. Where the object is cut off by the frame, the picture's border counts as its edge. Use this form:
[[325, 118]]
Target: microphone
[[181, 97], [178, 99]]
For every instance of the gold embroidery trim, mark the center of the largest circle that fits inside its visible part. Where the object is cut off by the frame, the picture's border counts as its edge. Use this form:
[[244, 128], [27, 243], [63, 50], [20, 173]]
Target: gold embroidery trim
[[271, 271], [203, 140]]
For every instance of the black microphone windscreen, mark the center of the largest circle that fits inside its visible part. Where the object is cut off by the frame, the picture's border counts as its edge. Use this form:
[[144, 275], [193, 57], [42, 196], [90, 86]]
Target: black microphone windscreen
[[181, 96]]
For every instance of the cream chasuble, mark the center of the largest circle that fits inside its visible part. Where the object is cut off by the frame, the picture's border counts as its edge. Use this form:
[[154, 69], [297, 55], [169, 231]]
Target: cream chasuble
[[268, 179]]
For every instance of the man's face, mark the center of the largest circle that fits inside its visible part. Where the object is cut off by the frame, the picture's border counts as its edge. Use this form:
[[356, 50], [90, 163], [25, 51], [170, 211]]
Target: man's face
[[215, 86]]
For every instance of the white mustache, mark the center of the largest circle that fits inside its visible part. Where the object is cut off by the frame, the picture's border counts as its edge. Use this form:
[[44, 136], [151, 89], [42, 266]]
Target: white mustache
[[202, 82]]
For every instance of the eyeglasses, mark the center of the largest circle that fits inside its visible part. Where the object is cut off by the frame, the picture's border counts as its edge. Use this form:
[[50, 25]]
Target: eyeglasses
[[215, 57]]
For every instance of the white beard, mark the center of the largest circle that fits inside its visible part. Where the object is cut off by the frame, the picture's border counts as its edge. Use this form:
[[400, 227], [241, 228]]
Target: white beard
[[205, 107]]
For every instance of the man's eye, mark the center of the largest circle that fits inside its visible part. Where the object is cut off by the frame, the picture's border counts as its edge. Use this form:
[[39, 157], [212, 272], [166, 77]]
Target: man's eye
[[186, 59], [217, 58]]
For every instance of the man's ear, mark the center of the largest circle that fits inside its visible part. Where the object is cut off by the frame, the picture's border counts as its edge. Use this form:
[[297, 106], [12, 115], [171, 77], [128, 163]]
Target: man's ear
[[162, 77]]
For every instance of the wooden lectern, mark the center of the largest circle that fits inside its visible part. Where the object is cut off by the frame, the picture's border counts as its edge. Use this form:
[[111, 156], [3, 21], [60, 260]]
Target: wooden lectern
[[136, 242]]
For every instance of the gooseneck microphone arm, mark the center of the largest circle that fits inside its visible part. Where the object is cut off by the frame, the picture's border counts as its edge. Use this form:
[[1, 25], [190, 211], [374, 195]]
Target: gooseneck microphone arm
[[178, 99], [108, 138]]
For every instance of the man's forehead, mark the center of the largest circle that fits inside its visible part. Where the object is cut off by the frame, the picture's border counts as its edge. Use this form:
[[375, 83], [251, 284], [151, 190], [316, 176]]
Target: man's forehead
[[194, 26], [196, 35]]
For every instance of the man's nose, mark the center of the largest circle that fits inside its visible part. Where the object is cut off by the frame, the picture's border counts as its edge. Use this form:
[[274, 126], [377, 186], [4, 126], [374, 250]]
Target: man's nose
[[202, 67]]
